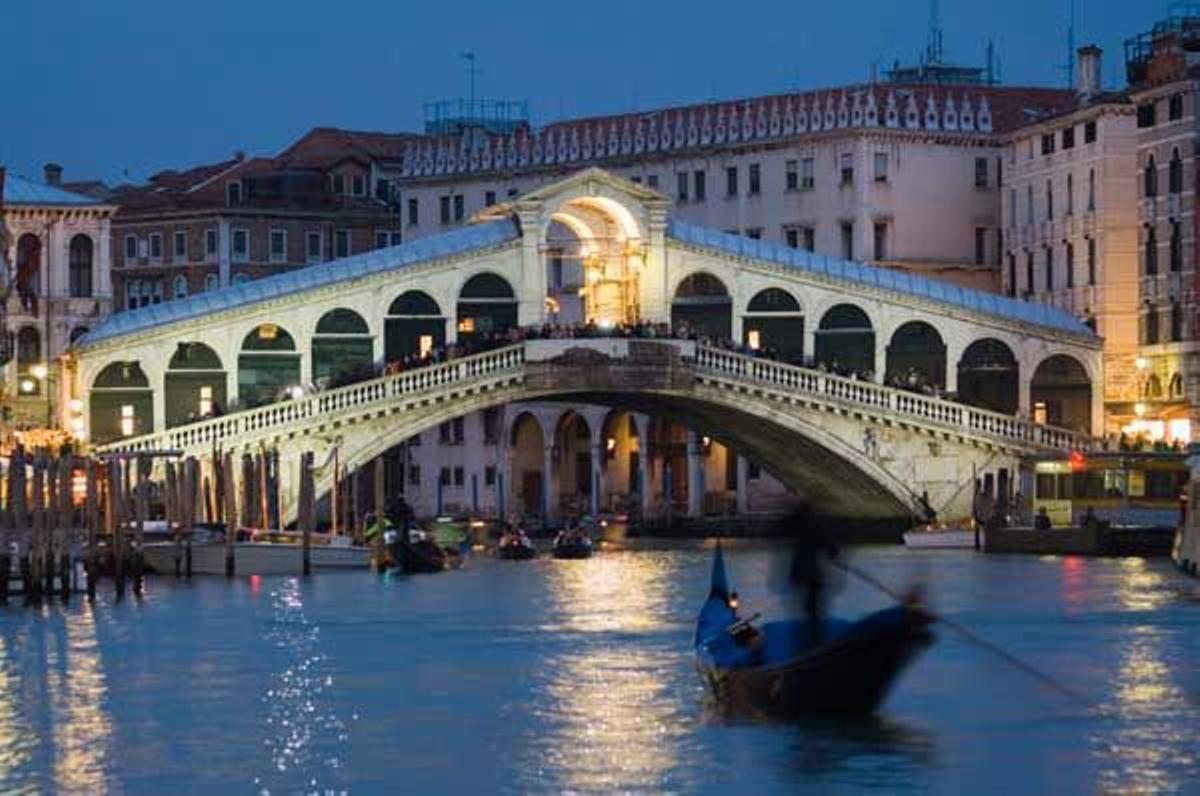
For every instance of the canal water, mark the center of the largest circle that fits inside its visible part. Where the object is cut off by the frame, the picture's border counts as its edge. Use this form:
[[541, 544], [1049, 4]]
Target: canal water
[[576, 676]]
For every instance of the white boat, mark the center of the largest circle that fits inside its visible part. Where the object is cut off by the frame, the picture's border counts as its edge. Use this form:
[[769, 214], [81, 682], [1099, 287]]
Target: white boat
[[260, 558], [942, 538], [1186, 552]]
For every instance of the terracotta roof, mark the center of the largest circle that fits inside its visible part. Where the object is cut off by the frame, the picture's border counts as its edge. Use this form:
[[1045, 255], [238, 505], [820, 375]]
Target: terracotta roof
[[325, 145]]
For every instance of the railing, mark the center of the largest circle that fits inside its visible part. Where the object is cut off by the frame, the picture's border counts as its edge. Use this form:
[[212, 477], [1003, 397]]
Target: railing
[[278, 416], [868, 395]]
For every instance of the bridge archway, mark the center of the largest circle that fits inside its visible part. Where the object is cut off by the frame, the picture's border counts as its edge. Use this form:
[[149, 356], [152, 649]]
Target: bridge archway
[[624, 457], [121, 403], [1060, 393], [703, 305], [486, 305], [774, 322], [916, 357], [572, 449], [195, 384], [846, 340], [527, 465], [342, 349], [268, 365], [989, 376], [414, 326]]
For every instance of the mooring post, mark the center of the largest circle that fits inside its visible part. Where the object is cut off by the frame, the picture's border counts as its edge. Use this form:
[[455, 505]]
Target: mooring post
[[171, 505], [307, 509], [38, 558], [230, 509], [116, 523], [66, 523], [92, 519], [377, 489], [191, 477], [20, 518], [5, 534]]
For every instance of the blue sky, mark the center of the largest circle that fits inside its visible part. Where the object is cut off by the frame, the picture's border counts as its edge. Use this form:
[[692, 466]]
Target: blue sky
[[110, 88]]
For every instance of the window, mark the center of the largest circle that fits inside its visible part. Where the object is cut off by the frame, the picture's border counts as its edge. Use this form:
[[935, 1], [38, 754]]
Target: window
[[1070, 194], [1012, 275], [809, 236], [1048, 144], [80, 266], [731, 180], [792, 236], [652, 181], [846, 167], [1091, 261], [1091, 205], [1145, 115], [881, 167], [382, 190], [1070, 265], [131, 248], [489, 475], [233, 194], [210, 245], [848, 240], [179, 286], [513, 191], [240, 245], [754, 233], [808, 178], [459, 207], [1012, 206], [338, 183], [1150, 179], [414, 215], [414, 475], [458, 476], [206, 400], [980, 245], [1175, 108], [312, 247], [1176, 322], [211, 282], [179, 246], [1049, 269], [1151, 253], [699, 189], [1151, 329], [1028, 204], [981, 173], [444, 476], [444, 433], [278, 246], [341, 243], [127, 420], [681, 186], [1029, 272], [444, 207], [1175, 173], [489, 198], [1089, 132], [382, 238], [359, 184], [458, 426], [636, 179], [755, 179], [156, 247], [491, 426], [881, 240], [1176, 247], [1049, 200], [791, 172], [1068, 138], [753, 473]]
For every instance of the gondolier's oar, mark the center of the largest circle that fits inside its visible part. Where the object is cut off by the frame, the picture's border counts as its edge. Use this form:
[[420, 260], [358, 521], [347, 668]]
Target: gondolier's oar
[[1037, 674]]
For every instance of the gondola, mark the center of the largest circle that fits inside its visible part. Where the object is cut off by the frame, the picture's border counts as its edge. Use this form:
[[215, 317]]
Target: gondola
[[778, 670], [420, 555], [573, 545], [516, 547]]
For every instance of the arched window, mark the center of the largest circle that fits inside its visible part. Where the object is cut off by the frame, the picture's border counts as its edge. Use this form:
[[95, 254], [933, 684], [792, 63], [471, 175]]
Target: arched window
[[77, 334], [80, 266], [268, 366], [846, 341], [486, 305], [773, 299], [1150, 180], [414, 327], [702, 306], [29, 347], [1091, 205], [29, 270], [195, 384], [1061, 393], [211, 283], [180, 286], [121, 403], [773, 324], [916, 358], [988, 376], [1070, 194], [1176, 386], [342, 350], [1175, 173]]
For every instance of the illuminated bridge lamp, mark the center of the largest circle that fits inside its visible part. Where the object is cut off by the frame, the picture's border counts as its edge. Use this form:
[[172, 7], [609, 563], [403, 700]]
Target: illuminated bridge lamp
[[38, 371]]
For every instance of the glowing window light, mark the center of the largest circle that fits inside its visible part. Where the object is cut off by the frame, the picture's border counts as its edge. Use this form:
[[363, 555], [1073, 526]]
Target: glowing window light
[[425, 345], [754, 339], [127, 418], [206, 394]]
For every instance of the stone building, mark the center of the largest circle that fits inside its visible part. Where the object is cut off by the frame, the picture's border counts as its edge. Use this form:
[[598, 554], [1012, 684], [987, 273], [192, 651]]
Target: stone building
[[54, 282]]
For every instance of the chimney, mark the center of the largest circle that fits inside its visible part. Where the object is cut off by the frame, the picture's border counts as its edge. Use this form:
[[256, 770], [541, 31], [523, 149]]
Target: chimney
[[1088, 80], [53, 174]]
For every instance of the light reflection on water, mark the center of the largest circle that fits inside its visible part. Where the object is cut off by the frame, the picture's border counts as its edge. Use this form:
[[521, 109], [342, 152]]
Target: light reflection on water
[[576, 676]]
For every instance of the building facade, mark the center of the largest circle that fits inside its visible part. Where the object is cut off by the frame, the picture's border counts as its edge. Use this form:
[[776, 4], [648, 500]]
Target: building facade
[[54, 281]]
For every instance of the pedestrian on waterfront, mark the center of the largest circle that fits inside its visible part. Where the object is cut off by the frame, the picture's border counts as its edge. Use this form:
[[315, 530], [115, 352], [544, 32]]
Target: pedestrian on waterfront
[[1042, 521]]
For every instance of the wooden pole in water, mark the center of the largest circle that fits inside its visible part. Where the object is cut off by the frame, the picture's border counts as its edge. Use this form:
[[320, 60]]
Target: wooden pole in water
[[230, 509], [264, 480], [5, 537], [37, 581], [66, 522], [174, 523], [278, 502], [377, 489], [191, 477], [307, 509], [93, 528], [141, 509], [115, 516], [20, 517], [50, 526], [335, 503]]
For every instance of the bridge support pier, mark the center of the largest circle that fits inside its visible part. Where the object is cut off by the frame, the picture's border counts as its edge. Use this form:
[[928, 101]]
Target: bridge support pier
[[548, 482], [743, 485], [597, 476], [695, 466]]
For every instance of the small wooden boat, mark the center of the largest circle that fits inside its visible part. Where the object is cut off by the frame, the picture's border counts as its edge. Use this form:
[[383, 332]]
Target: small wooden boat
[[516, 547], [783, 670], [573, 545], [413, 552]]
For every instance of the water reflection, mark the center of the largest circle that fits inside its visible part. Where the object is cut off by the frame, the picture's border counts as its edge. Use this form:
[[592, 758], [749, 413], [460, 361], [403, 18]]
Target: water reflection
[[16, 737], [82, 728], [304, 736]]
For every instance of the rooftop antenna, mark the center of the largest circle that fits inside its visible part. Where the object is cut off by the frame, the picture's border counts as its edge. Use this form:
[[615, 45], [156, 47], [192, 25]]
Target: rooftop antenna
[[933, 50], [473, 71], [1069, 65]]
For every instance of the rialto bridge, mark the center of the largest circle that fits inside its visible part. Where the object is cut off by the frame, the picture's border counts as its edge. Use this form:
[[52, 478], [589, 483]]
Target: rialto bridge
[[252, 365]]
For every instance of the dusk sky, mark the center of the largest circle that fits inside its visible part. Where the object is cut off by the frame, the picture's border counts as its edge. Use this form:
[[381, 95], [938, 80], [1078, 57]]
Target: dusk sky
[[122, 88]]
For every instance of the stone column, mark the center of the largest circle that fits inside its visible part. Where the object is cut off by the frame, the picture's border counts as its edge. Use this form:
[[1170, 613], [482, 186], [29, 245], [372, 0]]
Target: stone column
[[531, 292], [743, 486], [880, 358], [1024, 392], [695, 467], [548, 507], [597, 475], [644, 467]]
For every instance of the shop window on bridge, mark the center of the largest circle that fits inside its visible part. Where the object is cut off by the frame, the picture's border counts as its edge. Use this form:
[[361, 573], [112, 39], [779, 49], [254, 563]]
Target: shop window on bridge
[[774, 324], [1061, 393], [121, 403], [702, 306], [414, 327], [195, 384], [342, 351], [988, 376], [487, 306], [846, 341], [916, 358], [268, 366]]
